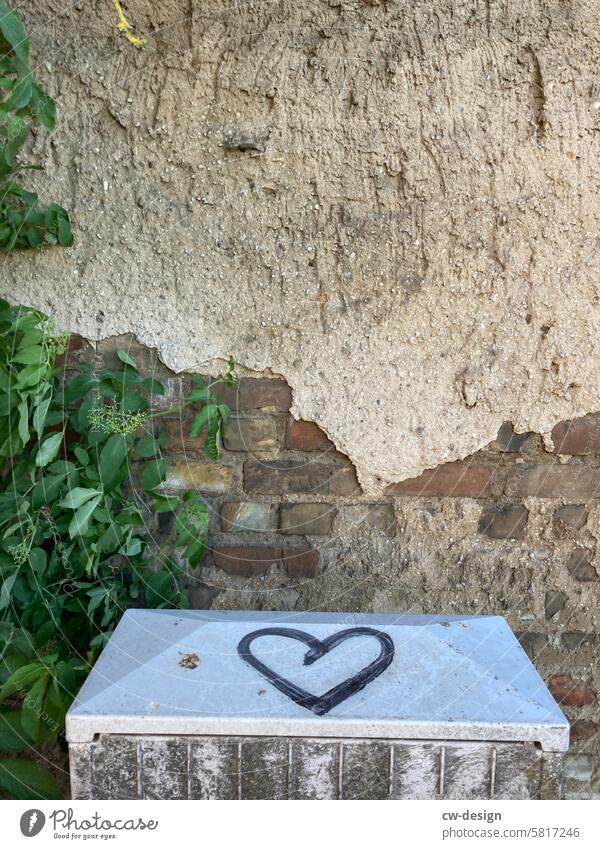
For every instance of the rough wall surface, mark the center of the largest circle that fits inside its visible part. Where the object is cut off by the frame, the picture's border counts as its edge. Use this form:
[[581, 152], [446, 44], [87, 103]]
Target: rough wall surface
[[513, 530], [394, 205]]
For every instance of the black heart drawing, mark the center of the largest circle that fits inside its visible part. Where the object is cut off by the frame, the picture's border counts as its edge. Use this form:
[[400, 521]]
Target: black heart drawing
[[318, 648]]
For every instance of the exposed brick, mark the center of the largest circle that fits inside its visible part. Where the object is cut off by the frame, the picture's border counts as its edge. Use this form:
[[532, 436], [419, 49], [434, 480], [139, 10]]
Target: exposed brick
[[301, 562], [260, 393], [569, 518], [584, 729], [203, 477], [572, 640], [504, 522], [306, 518], [254, 393], [246, 516], [174, 391], [252, 433], [580, 565], [377, 516], [344, 482], [510, 442], [147, 359], [180, 441], [306, 436], [246, 561], [281, 477], [78, 349], [577, 436], [569, 692], [468, 480], [253, 561], [554, 602], [554, 481]]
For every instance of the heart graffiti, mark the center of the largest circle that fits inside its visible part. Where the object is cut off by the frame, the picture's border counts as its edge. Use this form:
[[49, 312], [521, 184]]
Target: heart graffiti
[[317, 649]]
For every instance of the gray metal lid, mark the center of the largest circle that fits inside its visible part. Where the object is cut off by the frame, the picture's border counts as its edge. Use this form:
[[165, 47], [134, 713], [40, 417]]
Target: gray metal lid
[[409, 677]]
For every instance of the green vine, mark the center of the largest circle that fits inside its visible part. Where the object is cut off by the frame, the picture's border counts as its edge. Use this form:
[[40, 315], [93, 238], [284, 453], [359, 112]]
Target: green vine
[[88, 527], [23, 104]]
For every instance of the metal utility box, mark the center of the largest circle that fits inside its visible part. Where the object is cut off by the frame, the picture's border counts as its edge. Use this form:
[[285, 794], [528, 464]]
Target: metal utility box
[[239, 705]]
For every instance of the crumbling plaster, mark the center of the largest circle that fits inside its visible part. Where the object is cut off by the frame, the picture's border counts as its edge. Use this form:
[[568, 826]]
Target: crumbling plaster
[[394, 205]]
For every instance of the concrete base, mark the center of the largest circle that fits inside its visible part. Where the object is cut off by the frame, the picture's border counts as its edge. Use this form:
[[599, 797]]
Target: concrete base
[[178, 767]]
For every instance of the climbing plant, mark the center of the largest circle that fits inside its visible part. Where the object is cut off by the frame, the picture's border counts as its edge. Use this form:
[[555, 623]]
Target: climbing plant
[[86, 526], [24, 223]]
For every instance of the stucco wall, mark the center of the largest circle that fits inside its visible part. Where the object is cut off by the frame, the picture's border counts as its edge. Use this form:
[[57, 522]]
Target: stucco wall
[[392, 205]]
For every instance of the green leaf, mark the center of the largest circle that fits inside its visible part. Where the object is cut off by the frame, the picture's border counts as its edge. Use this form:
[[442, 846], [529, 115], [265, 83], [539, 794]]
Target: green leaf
[[203, 419], [199, 395], [111, 460], [5, 592], [12, 736], [157, 589], [31, 710], [133, 402], [29, 356], [21, 94], [49, 449], [153, 475], [82, 455], [147, 446], [38, 560], [225, 413], [65, 234], [78, 496], [22, 679], [24, 779], [80, 521], [43, 108], [24, 422], [153, 386], [39, 415], [46, 490], [78, 387], [13, 32], [125, 358]]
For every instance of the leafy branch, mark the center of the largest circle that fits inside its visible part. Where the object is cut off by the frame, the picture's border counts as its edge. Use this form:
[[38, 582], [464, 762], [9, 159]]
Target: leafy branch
[[23, 104]]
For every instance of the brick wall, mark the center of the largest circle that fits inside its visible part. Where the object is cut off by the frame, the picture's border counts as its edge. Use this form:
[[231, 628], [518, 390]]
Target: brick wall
[[511, 530]]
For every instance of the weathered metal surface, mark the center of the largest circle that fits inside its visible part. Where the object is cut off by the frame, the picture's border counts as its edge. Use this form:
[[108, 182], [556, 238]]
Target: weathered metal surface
[[149, 767]]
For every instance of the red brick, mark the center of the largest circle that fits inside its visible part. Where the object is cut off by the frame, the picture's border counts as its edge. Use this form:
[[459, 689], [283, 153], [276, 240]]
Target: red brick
[[306, 436], [257, 393], [252, 433], [584, 729], [306, 518], [569, 692], [554, 480], [254, 393], [178, 430], [246, 561], [301, 562], [467, 480], [284, 476], [78, 349], [577, 436]]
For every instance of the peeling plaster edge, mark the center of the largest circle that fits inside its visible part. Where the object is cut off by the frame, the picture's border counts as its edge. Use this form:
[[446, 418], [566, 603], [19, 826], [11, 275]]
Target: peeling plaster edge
[[373, 482]]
